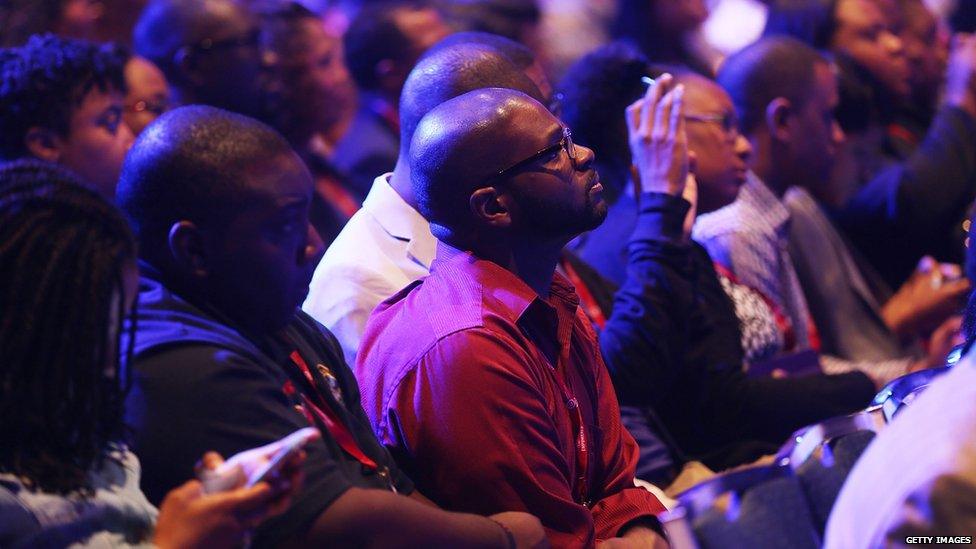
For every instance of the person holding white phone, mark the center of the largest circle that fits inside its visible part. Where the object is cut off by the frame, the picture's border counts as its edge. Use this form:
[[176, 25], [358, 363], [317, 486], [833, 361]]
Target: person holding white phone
[[224, 359]]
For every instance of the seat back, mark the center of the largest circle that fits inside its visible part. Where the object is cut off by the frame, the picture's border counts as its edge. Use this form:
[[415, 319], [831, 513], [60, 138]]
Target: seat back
[[760, 506], [903, 390], [822, 456]]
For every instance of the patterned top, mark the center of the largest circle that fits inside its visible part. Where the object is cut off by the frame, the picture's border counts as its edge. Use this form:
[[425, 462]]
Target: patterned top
[[116, 515], [750, 237]]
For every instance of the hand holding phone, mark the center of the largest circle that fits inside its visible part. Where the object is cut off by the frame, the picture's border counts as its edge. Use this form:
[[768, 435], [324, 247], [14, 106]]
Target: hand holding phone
[[252, 466]]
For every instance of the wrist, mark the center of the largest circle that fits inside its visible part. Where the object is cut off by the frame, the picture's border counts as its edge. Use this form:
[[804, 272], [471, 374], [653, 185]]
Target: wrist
[[508, 536]]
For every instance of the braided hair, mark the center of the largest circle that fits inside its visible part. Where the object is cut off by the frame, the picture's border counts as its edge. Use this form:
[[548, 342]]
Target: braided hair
[[62, 251]]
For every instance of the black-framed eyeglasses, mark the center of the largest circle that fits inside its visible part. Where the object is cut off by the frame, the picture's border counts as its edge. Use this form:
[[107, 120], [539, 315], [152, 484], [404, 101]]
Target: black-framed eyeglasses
[[250, 40], [728, 121], [565, 143]]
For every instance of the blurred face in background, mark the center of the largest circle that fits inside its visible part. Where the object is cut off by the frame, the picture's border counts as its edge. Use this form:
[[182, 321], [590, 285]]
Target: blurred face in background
[[679, 16], [713, 135], [78, 18], [863, 33], [316, 91], [97, 140], [926, 49], [147, 96], [817, 136]]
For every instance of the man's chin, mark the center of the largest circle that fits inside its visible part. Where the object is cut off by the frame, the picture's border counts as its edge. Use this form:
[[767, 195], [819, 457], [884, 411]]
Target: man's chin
[[597, 215]]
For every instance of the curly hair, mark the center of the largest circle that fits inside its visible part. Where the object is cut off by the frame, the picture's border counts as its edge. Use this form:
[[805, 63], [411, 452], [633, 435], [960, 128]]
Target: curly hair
[[45, 80], [595, 93], [62, 251]]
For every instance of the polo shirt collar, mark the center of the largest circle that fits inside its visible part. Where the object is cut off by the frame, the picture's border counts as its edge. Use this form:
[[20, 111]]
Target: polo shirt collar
[[400, 220]]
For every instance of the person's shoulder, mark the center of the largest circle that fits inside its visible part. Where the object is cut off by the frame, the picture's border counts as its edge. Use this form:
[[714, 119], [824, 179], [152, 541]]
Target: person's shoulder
[[722, 222]]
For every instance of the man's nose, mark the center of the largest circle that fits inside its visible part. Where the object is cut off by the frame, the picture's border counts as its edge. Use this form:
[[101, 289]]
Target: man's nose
[[837, 133], [743, 149], [314, 247], [584, 157], [269, 59], [893, 44]]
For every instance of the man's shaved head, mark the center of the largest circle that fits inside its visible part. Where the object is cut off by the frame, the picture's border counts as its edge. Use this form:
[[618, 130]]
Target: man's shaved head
[[166, 25], [445, 72], [209, 51], [190, 164], [460, 146]]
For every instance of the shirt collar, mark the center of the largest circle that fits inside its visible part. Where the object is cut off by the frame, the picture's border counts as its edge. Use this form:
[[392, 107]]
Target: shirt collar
[[400, 220], [762, 203], [511, 297]]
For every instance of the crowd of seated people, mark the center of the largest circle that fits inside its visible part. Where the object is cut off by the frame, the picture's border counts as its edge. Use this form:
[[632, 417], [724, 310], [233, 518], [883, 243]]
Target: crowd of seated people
[[399, 273]]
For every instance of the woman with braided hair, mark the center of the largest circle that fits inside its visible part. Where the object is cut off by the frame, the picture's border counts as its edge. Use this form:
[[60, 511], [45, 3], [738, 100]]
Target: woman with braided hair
[[68, 277]]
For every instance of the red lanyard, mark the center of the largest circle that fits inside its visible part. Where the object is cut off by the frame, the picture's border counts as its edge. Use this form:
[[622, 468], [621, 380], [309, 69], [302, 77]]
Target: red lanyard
[[339, 198], [588, 302], [326, 415], [582, 446]]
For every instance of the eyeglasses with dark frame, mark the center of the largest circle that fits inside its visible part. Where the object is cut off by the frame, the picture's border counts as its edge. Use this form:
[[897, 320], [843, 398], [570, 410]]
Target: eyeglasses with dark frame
[[566, 143], [728, 121]]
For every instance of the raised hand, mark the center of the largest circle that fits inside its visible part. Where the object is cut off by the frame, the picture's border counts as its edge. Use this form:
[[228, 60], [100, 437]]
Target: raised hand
[[658, 142]]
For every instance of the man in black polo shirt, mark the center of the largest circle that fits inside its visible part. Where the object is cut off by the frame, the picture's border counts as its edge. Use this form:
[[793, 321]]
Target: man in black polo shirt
[[224, 360]]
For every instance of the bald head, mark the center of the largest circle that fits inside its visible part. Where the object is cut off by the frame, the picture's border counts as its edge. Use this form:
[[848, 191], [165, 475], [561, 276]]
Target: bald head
[[449, 71], [191, 164], [462, 142], [166, 25], [208, 49]]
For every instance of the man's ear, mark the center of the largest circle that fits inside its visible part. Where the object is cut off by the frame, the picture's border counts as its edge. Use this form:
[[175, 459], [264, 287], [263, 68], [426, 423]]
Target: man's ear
[[186, 62], [43, 143], [187, 248], [778, 113], [491, 207]]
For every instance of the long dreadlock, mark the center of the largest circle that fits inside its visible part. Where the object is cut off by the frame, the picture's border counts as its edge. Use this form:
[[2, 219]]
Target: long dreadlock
[[62, 250]]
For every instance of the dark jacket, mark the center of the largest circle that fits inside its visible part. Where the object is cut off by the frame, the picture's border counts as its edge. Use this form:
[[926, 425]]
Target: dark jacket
[[916, 207], [200, 384], [673, 344]]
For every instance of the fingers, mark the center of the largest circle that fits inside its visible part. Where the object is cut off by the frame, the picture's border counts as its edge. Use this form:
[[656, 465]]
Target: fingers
[[188, 491], [662, 117], [650, 107], [955, 288], [927, 264], [951, 271], [212, 460], [245, 501], [675, 127]]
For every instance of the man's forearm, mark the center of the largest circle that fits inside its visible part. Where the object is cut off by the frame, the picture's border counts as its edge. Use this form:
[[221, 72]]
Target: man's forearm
[[376, 518]]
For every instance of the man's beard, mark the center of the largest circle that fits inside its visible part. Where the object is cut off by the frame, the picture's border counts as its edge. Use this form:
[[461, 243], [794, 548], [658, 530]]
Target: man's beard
[[544, 218]]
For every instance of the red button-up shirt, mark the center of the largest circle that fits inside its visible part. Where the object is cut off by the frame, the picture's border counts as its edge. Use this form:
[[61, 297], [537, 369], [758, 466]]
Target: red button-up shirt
[[460, 374]]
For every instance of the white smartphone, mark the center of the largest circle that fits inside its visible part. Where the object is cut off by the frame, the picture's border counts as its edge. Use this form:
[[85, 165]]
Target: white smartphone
[[250, 467]]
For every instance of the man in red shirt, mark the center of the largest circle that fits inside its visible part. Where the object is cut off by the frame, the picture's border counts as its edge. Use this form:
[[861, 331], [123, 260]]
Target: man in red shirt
[[485, 379]]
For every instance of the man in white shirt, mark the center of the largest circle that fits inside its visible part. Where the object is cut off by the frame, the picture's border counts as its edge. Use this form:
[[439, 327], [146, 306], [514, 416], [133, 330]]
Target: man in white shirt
[[387, 244]]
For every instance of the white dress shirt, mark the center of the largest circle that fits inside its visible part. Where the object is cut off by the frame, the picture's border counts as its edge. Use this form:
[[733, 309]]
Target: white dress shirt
[[385, 246]]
